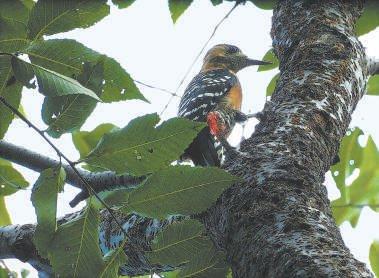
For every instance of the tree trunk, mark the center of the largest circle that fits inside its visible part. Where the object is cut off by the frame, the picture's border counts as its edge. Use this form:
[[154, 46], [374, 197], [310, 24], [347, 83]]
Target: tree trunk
[[278, 223]]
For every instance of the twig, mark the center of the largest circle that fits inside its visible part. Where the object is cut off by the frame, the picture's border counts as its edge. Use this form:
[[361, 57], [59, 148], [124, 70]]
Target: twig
[[155, 88], [61, 155], [198, 55]]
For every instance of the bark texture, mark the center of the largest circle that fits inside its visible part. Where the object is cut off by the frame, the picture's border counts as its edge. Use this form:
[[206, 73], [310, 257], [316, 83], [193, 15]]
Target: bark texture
[[278, 223]]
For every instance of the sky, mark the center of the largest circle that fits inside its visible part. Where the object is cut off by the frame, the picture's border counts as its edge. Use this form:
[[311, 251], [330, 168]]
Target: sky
[[153, 50]]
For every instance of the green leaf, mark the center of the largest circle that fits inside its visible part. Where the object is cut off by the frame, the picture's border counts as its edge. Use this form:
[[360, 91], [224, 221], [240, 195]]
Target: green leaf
[[374, 257], [113, 260], [373, 85], [55, 16], [15, 10], [12, 35], [68, 56], [24, 273], [50, 83], [121, 4], [270, 57], [179, 190], [264, 4], [4, 273], [140, 148], [75, 251], [369, 20], [185, 243], [86, 141], [177, 8], [10, 180], [208, 263], [216, 2], [10, 90], [350, 155], [44, 198], [5, 219], [178, 243], [271, 86], [363, 190], [68, 113]]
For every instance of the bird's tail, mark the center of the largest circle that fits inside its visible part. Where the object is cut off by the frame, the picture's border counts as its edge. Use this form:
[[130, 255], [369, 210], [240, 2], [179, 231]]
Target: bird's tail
[[205, 150]]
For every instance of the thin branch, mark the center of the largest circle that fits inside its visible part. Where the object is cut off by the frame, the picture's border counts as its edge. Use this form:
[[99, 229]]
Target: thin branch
[[100, 181], [198, 55], [88, 187], [155, 88]]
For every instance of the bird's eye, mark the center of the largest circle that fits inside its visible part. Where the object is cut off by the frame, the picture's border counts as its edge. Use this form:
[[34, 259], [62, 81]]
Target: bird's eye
[[232, 49]]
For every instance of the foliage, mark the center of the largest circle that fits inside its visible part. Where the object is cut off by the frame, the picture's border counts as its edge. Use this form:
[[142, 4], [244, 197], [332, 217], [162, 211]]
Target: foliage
[[369, 20], [271, 86], [270, 57], [140, 148], [185, 244], [365, 188], [178, 190], [44, 199], [374, 257], [373, 85]]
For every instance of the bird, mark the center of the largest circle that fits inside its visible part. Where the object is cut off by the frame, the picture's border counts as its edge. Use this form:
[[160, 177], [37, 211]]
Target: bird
[[214, 96]]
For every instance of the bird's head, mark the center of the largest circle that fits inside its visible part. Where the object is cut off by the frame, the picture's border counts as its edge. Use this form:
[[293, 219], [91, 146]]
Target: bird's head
[[229, 57]]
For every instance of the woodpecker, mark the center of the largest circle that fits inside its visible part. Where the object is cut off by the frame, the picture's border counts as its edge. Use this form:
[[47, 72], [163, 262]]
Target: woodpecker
[[214, 96]]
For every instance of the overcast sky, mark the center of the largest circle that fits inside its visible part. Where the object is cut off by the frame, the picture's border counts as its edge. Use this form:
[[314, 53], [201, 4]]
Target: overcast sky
[[154, 50]]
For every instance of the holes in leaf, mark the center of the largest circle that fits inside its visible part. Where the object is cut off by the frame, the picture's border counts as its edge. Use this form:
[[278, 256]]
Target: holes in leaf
[[336, 173]]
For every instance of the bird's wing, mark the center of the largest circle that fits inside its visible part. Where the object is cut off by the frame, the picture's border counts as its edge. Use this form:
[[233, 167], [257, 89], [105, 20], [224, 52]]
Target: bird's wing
[[205, 92]]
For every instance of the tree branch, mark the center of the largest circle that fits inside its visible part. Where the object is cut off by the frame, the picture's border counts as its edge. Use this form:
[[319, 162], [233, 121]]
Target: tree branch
[[100, 181], [16, 242], [372, 66]]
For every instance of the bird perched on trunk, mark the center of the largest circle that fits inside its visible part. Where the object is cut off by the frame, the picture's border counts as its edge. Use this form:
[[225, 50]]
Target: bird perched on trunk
[[214, 96]]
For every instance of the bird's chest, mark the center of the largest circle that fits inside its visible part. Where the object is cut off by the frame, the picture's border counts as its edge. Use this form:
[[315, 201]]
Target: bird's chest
[[234, 97]]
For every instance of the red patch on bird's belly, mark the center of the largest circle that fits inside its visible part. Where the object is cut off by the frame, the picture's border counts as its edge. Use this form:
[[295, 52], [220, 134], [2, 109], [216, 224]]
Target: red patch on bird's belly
[[212, 120]]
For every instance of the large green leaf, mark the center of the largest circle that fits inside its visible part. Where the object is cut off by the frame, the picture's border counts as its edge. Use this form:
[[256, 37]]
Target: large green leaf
[[374, 257], [178, 243], [121, 4], [363, 190], [17, 10], [86, 141], [12, 35], [270, 57], [68, 113], [271, 86], [373, 85], [209, 263], [55, 16], [10, 180], [185, 243], [179, 190], [113, 260], [264, 4], [50, 83], [140, 148], [75, 251], [10, 90], [67, 57], [4, 215], [369, 20], [44, 198], [350, 155], [177, 8]]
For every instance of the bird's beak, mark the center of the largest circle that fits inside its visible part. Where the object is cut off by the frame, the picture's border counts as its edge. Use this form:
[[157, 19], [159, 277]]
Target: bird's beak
[[252, 62]]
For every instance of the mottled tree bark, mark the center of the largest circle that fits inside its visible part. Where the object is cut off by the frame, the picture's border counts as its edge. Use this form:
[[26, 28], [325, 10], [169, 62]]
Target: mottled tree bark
[[278, 222]]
